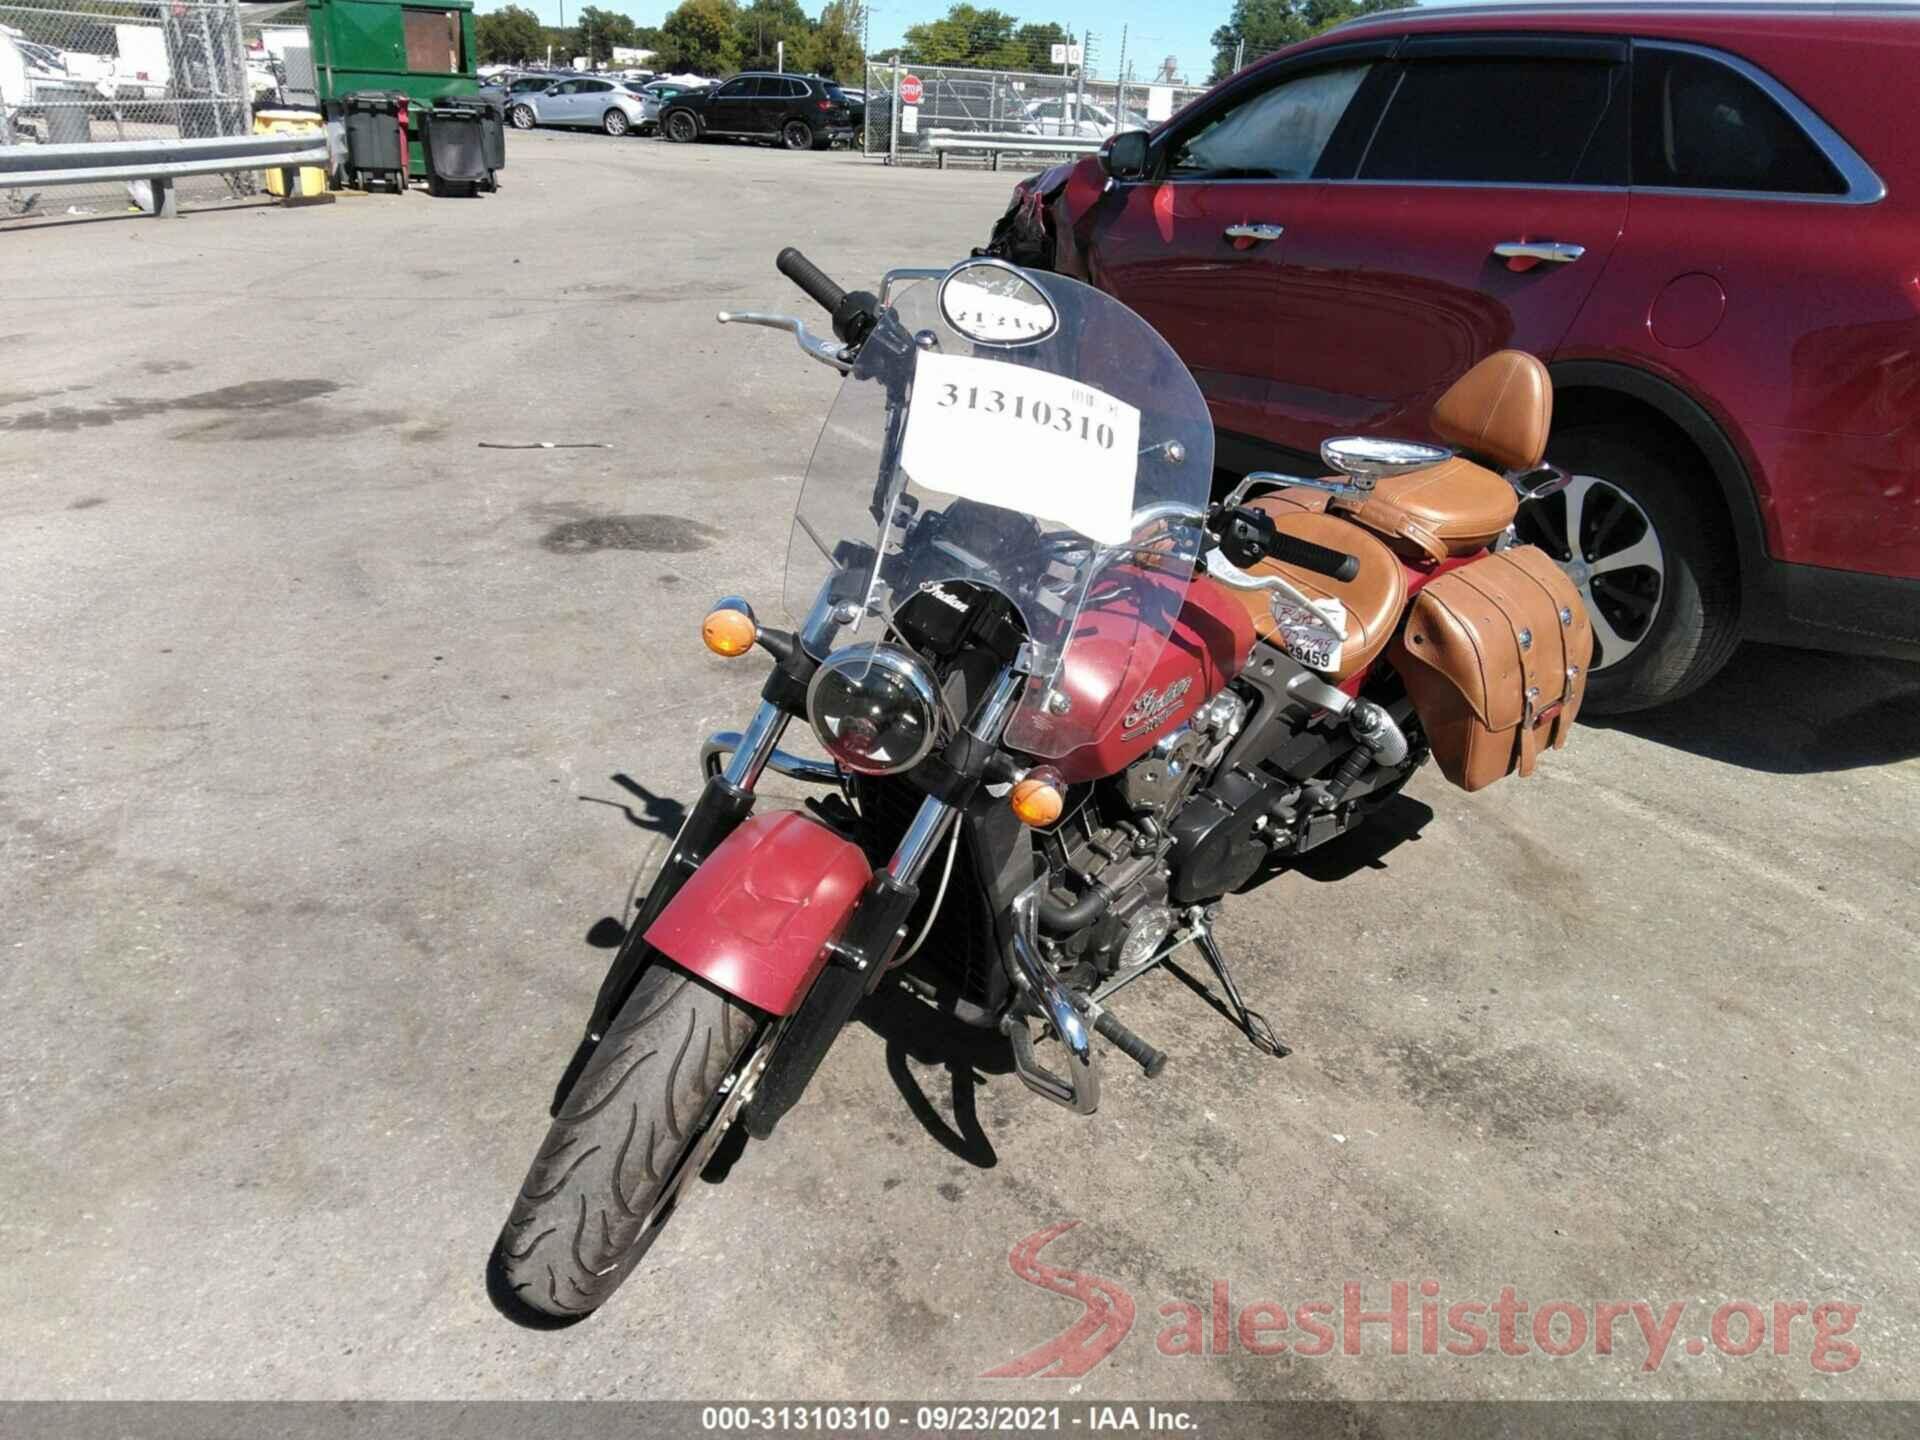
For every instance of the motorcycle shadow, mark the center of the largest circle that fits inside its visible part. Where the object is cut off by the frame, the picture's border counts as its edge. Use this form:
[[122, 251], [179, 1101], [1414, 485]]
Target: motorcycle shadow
[[1790, 712], [912, 1030], [1365, 847]]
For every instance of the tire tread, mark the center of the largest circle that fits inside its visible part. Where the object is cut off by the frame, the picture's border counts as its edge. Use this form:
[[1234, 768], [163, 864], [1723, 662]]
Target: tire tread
[[586, 1225]]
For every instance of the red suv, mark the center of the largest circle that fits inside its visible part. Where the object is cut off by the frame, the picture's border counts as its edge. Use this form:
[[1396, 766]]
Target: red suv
[[1703, 218]]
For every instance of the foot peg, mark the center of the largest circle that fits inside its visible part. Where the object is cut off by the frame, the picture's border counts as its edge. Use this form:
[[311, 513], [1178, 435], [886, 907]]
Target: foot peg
[[1129, 1044]]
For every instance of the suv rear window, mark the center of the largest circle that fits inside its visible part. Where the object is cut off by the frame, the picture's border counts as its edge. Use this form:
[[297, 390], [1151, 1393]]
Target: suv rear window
[[1701, 125], [1500, 121]]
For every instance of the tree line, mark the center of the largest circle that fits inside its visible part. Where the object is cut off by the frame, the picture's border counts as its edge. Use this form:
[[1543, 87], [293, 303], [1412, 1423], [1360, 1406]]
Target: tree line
[[716, 37], [1257, 26], [706, 37]]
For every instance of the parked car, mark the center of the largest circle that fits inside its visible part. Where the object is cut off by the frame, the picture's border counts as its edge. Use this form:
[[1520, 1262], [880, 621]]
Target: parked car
[[585, 100], [1079, 118], [650, 102], [665, 90], [800, 112], [1707, 220]]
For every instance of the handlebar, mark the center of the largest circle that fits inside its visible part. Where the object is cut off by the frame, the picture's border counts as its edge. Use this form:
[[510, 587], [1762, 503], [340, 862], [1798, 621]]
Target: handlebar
[[1321, 559], [1248, 536], [810, 278], [854, 312]]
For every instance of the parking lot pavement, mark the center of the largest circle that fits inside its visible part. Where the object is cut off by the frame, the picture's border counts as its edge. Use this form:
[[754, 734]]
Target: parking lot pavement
[[329, 736]]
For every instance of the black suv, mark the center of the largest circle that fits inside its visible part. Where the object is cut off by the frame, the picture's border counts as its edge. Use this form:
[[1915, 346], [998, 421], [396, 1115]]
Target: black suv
[[801, 112]]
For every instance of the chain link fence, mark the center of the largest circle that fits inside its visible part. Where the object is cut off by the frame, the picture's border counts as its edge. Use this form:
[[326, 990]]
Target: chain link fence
[[1013, 107], [78, 72]]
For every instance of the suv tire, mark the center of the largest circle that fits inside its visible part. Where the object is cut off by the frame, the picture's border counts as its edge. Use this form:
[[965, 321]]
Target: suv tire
[[681, 127], [1652, 560], [797, 135]]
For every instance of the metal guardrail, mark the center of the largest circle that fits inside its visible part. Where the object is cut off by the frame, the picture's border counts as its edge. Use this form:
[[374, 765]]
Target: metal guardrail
[[945, 142], [161, 162]]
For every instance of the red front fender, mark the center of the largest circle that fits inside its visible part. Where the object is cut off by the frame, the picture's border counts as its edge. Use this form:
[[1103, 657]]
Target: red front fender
[[755, 919]]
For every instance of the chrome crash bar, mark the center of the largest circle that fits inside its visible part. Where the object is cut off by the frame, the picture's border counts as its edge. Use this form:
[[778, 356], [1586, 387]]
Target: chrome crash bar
[[1080, 1089], [723, 743]]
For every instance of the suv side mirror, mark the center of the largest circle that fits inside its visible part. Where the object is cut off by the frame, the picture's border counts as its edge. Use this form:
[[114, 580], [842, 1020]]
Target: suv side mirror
[[1125, 157]]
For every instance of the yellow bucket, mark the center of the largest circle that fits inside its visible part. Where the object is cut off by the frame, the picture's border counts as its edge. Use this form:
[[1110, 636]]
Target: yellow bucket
[[313, 179]]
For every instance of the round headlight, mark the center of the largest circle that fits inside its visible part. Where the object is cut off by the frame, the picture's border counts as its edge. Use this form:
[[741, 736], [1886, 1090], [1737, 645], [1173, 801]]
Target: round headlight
[[875, 708]]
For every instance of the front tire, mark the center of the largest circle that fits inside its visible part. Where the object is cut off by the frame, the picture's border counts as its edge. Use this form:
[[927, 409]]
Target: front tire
[[682, 129], [797, 135], [615, 122], [523, 118], [644, 1116], [1652, 558]]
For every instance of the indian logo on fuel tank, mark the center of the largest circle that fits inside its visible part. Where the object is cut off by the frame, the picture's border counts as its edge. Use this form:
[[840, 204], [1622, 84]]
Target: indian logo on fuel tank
[[1151, 707]]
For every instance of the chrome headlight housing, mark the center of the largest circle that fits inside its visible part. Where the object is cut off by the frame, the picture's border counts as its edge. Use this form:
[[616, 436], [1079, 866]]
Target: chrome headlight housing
[[876, 709]]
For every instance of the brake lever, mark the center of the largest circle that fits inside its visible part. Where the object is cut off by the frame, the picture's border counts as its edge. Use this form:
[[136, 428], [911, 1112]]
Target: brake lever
[[827, 352]]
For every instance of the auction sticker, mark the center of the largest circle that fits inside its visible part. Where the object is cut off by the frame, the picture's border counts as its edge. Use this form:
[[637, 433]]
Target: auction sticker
[[1025, 440]]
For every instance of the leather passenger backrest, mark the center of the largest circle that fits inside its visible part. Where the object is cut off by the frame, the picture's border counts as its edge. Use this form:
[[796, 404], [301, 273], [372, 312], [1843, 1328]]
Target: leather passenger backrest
[[1500, 410]]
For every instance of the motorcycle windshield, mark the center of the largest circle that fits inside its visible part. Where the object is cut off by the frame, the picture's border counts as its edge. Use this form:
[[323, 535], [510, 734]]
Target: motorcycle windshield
[[1024, 432]]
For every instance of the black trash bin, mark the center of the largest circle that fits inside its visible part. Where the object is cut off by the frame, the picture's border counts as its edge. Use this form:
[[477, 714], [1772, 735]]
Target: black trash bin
[[455, 142], [376, 127], [493, 132]]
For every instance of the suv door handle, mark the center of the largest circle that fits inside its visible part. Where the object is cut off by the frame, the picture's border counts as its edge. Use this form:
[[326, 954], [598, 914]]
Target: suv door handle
[[1255, 232], [1552, 252]]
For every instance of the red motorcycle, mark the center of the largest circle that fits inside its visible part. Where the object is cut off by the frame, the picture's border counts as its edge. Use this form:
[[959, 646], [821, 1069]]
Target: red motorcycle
[[1067, 705]]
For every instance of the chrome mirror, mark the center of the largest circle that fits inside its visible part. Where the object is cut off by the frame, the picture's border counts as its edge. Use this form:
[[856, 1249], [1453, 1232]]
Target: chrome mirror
[[1365, 460], [1539, 482]]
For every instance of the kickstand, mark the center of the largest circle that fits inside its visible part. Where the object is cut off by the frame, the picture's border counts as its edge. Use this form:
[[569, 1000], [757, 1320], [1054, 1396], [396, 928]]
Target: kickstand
[[1251, 1023]]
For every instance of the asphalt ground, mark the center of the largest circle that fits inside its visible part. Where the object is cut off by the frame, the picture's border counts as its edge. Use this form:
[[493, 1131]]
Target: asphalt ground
[[328, 738]]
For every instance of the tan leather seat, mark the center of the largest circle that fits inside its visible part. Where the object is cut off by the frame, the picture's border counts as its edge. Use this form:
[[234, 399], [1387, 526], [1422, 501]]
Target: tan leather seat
[[1374, 598], [1498, 413], [1453, 508]]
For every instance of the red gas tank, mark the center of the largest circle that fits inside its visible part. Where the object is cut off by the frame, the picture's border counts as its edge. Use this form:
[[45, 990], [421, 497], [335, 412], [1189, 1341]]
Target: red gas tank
[[1211, 640]]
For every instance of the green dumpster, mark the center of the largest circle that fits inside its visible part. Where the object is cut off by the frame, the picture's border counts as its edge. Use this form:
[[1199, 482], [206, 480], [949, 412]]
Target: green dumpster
[[425, 50]]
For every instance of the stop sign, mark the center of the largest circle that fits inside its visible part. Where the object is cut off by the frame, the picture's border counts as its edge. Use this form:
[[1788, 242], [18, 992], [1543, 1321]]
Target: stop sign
[[909, 89]]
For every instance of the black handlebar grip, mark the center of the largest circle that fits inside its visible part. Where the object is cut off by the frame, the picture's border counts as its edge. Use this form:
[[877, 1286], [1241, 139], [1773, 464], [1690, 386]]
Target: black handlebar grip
[[1291, 550], [810, 278], [1131, 1045]]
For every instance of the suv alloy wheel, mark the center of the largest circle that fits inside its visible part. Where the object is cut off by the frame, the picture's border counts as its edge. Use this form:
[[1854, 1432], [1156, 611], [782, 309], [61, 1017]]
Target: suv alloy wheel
[[1657, 574]]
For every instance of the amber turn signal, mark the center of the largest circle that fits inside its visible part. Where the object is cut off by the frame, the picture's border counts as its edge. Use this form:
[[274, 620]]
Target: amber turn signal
[[1039, 796], [730, 628]]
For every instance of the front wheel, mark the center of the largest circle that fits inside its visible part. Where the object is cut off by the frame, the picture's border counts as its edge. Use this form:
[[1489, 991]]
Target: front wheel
[[645, 1116], [523, 117], [615, 122], [797, 135], [681, 128]]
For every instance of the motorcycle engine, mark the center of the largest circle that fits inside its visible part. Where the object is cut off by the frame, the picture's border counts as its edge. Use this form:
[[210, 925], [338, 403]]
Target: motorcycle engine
[[1117, 846]]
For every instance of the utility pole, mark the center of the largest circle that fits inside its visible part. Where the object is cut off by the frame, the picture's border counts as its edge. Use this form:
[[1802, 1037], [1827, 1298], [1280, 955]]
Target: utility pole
[[1120, 82], [1239, 53], [780, 57]]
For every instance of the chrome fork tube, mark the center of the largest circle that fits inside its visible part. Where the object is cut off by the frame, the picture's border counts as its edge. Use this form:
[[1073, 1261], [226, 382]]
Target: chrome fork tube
[[769, 723], [931, 821], [763, 733], [930, 825]]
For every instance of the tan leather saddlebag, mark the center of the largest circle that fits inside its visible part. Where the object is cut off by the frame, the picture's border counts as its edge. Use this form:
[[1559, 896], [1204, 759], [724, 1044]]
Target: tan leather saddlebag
[[1494, 656]]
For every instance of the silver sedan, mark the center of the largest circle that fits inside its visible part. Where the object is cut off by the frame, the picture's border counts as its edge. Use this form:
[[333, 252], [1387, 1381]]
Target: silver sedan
[[585, 101]]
